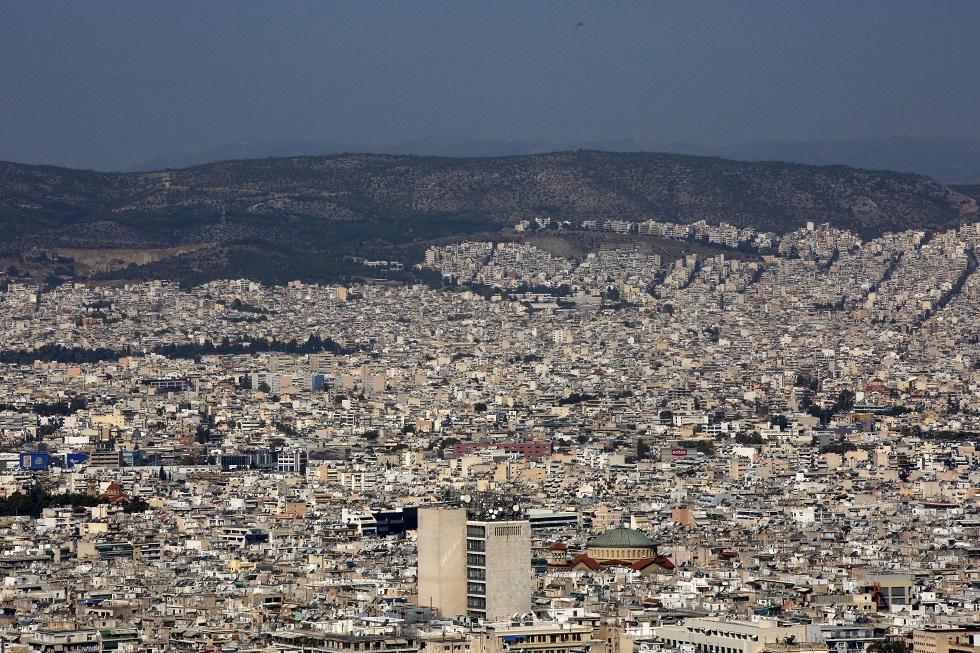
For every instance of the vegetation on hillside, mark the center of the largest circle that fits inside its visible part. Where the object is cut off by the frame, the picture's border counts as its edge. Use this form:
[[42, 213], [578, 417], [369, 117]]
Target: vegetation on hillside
[[319, 218]]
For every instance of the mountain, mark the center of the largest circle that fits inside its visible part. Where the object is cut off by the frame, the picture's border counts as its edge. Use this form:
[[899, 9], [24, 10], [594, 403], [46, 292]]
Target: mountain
[[319, 209], [945, 159], [442, 146], [249, 149]]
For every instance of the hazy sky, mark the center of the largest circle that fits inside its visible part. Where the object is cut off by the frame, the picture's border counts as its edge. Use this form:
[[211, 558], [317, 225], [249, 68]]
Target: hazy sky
[[109, 84]]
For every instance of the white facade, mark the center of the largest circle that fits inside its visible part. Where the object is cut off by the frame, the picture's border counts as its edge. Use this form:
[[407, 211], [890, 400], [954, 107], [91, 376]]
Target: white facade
[[721, 636]]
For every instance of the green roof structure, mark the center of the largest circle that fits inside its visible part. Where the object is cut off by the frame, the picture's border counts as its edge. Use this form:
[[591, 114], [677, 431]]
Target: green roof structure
[[622, 537]]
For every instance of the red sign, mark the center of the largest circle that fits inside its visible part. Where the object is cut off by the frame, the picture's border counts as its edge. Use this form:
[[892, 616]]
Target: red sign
[[678, 452]]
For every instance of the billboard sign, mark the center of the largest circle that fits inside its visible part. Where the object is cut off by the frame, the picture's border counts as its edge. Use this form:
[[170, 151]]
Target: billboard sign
[[73, 459], [130, 458], [34, 461]]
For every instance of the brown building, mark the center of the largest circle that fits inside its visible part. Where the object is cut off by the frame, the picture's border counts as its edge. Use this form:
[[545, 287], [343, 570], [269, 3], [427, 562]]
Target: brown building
[[946, 640], [530, 450]]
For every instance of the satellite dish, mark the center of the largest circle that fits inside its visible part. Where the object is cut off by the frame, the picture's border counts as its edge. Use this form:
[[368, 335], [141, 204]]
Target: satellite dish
[[516, 508], [466, 498]]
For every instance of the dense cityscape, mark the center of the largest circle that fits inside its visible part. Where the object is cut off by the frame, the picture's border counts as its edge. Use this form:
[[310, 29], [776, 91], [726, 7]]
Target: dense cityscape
[[772, 449]]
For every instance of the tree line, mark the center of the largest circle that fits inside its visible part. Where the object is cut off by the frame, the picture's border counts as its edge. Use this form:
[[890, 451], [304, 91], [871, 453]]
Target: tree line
[[36, 500], [79, 355], [58, 408]]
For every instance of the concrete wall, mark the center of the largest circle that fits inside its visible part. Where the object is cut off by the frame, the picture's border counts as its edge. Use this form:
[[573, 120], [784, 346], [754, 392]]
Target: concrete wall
[[508, 568], [442, 560]]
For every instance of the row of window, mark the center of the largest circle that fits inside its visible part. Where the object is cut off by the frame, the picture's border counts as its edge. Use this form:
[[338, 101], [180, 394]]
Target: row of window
[[552, 638], [504, 531], [705, 648]]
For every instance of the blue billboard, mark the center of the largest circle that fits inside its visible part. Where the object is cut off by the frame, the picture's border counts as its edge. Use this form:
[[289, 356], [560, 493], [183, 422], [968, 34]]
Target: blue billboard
[[72, 459], [130, 458], [34, 461]]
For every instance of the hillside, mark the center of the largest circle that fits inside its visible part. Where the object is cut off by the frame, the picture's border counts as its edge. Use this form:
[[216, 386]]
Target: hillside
[[949, 160], [322, 208]]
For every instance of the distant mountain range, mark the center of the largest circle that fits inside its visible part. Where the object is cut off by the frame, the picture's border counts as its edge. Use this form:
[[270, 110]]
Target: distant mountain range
[[948, 160], [299, 217]]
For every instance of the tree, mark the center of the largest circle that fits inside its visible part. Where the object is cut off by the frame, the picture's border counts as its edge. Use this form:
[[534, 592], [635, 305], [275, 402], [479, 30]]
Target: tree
[[448, 443], [163, 473], [845, 401], [889, 646], [480, 407], [701, 446], [203, 435], [264, 387], [136, 505], [642, 450], [753, 437], [779, 420]]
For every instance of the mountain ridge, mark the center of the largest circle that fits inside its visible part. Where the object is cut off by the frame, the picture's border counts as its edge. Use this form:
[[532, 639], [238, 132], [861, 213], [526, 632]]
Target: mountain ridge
[[948, 160], [361, 204]]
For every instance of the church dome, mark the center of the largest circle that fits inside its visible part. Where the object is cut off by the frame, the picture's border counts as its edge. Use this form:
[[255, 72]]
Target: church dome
[[622, 537]]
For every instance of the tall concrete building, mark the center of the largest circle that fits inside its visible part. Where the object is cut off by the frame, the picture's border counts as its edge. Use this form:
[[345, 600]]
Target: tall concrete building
[[477, 568], [442, 560]]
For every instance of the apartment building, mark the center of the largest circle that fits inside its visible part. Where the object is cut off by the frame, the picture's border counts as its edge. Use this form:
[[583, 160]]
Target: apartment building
[[477, 568]]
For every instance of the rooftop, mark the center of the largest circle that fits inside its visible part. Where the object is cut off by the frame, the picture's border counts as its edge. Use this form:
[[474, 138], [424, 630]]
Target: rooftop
[[622, 537]]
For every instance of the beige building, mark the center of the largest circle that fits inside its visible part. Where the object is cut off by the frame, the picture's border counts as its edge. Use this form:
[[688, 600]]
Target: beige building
[[478, 568], [895, 589], [442, 560], [538, 638], [722, 636], [946, 640]]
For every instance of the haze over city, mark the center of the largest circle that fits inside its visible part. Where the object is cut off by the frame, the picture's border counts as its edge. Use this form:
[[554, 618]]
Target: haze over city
[[111, 85], [510, 327]]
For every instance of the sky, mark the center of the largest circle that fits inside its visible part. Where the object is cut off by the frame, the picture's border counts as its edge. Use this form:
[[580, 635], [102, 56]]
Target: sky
[[110, 84]]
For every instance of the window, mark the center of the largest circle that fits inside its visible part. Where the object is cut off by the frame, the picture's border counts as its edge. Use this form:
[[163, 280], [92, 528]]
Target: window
[[504, 531]]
